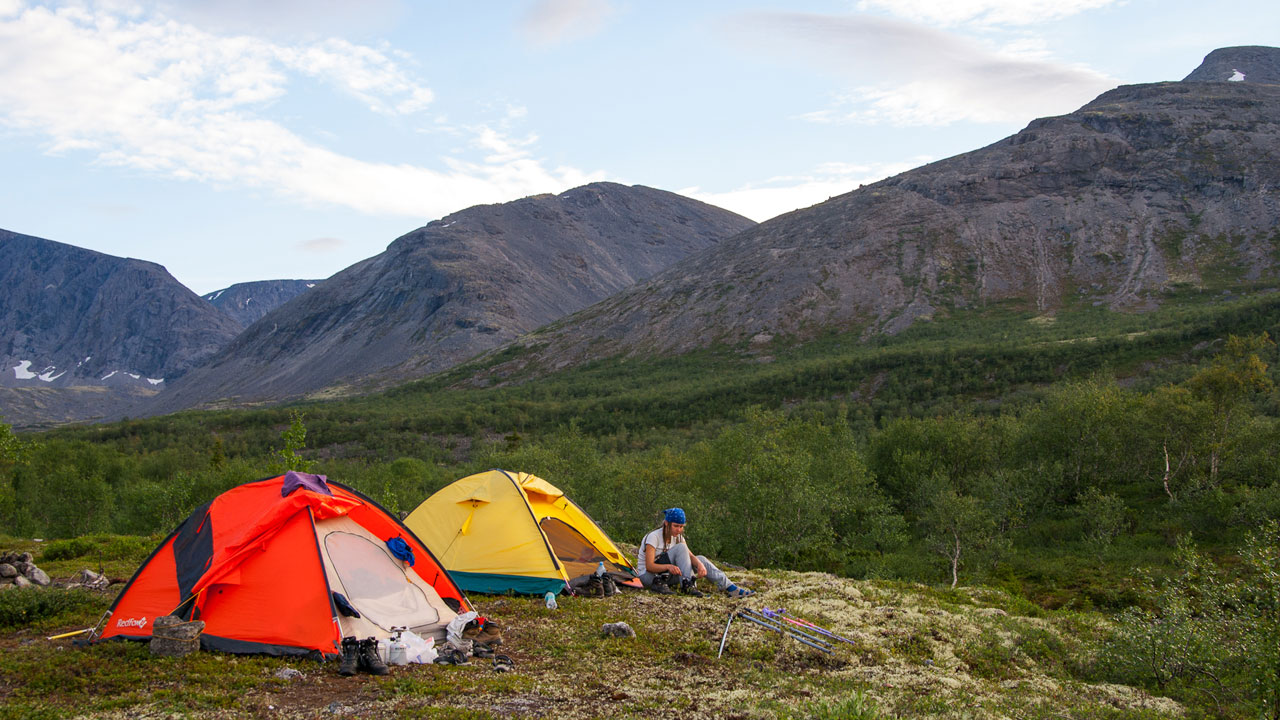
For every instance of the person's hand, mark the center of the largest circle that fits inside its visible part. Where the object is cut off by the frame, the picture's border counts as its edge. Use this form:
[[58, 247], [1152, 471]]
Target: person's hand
[[674, 570], [702, 571]]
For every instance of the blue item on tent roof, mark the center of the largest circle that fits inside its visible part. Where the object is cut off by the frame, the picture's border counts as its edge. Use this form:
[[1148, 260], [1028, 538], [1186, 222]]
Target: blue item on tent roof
[[400, 549]]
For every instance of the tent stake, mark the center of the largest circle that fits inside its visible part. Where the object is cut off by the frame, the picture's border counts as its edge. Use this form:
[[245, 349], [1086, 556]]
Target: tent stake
[[69, 634]]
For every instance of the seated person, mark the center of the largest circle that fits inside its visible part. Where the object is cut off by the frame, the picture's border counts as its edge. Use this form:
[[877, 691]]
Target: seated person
[[665, 551]]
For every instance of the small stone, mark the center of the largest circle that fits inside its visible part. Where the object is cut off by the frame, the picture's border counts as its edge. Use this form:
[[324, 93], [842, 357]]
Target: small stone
[[91, 579], [21, 581], [8, 571], [172, 647], [618, 629], [289, 674], [173, 627], [38, 576]]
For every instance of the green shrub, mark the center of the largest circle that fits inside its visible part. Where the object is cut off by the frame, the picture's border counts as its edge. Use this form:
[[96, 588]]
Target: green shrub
[[1206, 636], [99, 547], [68, 549], [858, 706], [989, 657], [23, 607]]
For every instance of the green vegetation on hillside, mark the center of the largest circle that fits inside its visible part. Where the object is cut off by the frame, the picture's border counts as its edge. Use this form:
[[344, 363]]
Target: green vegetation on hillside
[[1046, 457]]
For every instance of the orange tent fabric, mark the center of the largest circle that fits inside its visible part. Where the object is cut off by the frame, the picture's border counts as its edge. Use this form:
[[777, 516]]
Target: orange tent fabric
[[251, 566]]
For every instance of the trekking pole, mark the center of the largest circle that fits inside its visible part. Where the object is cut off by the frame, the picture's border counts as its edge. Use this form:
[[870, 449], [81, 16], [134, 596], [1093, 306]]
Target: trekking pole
[[725, 636], [780, 614], [788, 628], [784, 631]]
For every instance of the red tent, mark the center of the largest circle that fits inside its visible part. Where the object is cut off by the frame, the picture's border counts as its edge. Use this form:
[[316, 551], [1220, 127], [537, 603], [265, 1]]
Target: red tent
[[278, 565]]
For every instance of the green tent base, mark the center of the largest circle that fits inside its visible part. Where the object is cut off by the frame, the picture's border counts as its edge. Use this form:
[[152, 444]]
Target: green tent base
[[501, 584]]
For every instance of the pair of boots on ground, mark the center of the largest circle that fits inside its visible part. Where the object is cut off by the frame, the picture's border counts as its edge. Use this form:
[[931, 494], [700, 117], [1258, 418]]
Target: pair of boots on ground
[[598, 586], [485, 635], [361, 655], [668, 584]]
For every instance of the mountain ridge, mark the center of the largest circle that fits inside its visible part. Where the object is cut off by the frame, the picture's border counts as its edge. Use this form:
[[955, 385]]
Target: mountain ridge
[[455, 287], [1145, 187]]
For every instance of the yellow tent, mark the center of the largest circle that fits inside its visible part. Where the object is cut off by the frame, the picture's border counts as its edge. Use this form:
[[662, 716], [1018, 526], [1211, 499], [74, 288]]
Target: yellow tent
[[501, 531]]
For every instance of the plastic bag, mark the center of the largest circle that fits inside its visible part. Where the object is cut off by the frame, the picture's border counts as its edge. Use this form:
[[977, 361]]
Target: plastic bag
[[419, 650], [456, 626]]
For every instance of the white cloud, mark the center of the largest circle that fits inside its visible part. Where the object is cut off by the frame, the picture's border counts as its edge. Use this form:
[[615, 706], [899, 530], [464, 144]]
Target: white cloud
[[320, 244], [551, 22], [286, 16], [985, 12], [904, 73], [159, 96], [780, 195]]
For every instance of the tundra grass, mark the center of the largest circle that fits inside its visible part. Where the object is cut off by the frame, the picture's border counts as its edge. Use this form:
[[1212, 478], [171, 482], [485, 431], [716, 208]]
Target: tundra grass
[[915, 651]]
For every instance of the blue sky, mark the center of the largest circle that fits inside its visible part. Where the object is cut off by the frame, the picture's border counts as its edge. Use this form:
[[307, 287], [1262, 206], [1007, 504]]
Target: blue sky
[[236, 140]]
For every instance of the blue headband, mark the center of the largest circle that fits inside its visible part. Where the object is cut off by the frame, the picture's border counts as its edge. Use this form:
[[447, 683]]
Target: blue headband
[[675, 515]]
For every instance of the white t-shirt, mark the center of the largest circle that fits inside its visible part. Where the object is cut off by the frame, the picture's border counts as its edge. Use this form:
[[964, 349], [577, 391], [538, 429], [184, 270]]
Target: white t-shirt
[[655, 539]]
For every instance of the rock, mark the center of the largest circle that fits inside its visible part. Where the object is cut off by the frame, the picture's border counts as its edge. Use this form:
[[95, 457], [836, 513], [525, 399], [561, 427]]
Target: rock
[[289, 674], [90, 579], [8, 571], [172, 647], [618, 629], [176, 628], [21, 581], [38, 576]]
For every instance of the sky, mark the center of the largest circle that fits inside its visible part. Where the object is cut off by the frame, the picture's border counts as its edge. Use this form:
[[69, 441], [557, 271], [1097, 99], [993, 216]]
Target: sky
[[240, 140]]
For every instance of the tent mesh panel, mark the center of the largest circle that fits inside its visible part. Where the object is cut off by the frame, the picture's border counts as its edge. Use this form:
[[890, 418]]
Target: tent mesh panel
[[574, 551]]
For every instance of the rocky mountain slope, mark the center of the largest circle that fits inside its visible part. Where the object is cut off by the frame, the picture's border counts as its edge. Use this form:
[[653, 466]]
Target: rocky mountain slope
[[247, 302], [74, 318], [1146, 187], [460, 285], [1250, 63]]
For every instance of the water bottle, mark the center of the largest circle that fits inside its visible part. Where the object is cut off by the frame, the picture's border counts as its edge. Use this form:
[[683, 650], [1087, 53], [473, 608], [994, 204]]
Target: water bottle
[[550, 599], [600, 569]]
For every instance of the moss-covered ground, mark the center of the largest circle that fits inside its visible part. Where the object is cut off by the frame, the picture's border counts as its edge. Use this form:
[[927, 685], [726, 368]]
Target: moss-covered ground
[[911, 651]]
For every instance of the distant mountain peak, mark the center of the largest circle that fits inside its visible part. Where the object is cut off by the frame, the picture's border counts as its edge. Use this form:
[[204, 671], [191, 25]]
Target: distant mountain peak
[[1246, 63], [460, 285], [247, 302]]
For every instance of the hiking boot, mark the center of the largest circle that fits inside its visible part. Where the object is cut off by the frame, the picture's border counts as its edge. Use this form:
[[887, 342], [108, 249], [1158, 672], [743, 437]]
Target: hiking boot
[[593, 587], [688, 587], [610, 587], [369, 660], [350, 657], [660, 586], [490, 634]]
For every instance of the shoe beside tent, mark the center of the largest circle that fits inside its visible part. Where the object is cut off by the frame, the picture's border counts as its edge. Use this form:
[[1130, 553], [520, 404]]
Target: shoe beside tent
[[501, 531], [289, 566]]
